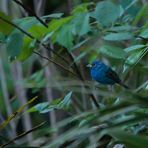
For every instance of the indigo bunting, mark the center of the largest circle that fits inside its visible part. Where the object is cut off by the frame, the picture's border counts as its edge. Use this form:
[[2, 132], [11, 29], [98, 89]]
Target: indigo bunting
[[104, 74]]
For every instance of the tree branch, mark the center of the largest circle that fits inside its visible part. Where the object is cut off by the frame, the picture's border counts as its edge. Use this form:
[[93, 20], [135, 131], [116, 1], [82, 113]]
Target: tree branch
[[23, 134], [63, 67], [31, 12]]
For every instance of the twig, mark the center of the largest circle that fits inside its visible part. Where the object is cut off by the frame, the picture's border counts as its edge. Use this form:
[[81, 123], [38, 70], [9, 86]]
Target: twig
[[56, 63], [23, 134], [31, 12]]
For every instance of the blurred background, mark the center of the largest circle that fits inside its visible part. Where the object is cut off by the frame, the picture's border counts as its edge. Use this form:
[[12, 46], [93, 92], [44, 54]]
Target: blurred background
[[52, 65]]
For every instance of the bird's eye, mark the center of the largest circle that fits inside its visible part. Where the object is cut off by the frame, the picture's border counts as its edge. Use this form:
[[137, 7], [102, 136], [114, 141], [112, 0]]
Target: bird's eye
[[93, 64]]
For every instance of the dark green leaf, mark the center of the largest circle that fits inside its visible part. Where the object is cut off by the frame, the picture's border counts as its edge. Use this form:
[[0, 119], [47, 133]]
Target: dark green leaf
[[130, 140], [2, 37], [14, 44]]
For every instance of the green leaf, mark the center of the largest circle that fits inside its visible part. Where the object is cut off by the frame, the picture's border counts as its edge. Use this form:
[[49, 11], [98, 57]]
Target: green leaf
[[38, 31], [121, 28], [39, 107], [66, 101], [64, 36], [5, 28], [142, 13], [54, 15], [55, 104], [26, 22], [106, 13], [81, 8], [144, 33], [130, 140], [45, 107], [27, 49], [118, 36], [14, 44], [133, 58], [112, 51], [55, 24], [81, 24], [132, 48]]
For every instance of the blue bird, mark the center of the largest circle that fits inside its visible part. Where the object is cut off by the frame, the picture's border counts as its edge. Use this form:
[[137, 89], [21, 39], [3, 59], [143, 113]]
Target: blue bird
[[104, 74]]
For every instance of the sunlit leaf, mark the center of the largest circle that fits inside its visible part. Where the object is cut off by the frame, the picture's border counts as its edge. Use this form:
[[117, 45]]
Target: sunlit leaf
[[81, 8], [27, 49], [5, 28]]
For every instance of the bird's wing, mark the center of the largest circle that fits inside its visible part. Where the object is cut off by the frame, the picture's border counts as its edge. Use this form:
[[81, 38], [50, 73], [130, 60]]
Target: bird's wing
[[113, 76]]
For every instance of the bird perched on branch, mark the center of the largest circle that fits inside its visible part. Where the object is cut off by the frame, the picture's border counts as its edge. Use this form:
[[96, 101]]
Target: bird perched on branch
[[104, 74]]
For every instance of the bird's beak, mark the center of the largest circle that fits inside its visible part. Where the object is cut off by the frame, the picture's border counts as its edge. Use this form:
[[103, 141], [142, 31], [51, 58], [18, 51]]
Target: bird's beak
[[89, 65]]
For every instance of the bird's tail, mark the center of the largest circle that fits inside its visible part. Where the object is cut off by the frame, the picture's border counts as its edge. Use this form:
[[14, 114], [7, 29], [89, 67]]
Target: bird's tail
[[125, 86]]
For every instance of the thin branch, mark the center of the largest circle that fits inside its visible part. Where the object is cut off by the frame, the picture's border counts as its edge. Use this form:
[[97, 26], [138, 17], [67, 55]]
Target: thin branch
[[23, 134], [63, 67], [32, 37], [31, 12]]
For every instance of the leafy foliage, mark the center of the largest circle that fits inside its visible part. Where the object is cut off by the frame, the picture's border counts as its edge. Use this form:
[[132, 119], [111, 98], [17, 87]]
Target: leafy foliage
[[115, 32]]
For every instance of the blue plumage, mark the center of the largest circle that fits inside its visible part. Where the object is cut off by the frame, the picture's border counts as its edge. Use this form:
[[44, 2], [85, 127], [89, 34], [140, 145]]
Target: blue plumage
[[104, 74]]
